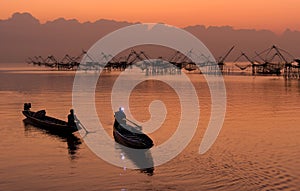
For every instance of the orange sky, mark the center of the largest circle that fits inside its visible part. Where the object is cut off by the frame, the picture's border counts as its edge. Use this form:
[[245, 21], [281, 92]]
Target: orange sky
[[276, 15]]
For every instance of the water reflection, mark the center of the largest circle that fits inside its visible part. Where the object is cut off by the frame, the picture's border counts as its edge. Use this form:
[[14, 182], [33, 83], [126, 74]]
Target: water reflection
[[140, 159], [72, 141]]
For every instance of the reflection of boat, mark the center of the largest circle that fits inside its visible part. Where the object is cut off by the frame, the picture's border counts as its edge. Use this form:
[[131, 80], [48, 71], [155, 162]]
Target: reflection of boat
[[130, 136], [39, 119], [142, 159], [73, 142]]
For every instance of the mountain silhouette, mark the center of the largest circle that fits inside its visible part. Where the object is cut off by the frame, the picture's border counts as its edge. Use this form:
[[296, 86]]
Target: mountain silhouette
[[23, 35]]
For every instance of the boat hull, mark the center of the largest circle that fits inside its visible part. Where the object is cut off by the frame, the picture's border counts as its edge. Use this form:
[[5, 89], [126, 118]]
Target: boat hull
[[131, 139], [49, 123]]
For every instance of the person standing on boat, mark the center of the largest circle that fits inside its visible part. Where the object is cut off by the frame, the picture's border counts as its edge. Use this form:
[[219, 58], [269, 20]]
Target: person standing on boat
[[120, 116], [71, 119]]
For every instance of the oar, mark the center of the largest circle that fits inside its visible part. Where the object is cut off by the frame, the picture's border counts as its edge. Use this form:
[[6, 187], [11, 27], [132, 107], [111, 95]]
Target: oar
[[133, 123], [80, 124]]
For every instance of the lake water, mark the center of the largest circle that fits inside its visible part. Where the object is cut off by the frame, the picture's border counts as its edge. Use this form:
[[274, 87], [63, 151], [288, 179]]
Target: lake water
[[258, 147]]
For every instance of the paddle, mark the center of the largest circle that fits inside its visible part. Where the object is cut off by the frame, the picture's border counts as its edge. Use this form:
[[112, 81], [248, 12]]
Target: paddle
[[80, 124], [134, 123]]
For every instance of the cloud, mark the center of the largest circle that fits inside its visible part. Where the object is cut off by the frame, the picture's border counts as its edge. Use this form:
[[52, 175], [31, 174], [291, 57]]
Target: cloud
[[23, 35]]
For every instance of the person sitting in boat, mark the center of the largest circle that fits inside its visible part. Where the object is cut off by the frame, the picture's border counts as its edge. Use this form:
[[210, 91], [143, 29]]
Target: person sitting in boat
[[27, 106], [120, 116], [40, 114], [71, 119]]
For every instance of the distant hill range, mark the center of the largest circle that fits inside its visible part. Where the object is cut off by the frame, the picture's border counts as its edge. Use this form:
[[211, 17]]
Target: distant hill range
[[22, 36]]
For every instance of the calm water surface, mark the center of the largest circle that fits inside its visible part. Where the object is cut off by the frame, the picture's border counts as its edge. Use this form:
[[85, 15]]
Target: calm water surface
[[258, 147]]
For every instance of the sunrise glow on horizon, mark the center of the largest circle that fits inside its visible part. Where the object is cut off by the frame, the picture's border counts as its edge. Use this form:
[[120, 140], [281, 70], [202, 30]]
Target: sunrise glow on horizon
[[273, 15]]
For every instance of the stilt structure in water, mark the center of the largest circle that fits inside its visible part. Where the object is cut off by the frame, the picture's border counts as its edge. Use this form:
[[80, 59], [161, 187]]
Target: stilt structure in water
[[292, 70], [221, 60], [66, 63], [272, 61]]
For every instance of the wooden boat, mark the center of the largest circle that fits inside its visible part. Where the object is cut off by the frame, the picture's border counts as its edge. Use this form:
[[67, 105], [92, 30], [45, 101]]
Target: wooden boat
[[133, 138], [39, 119]]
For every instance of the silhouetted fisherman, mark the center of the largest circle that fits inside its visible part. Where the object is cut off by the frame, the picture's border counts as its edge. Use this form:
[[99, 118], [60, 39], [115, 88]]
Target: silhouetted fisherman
[[71, 119], [120, 116], [27, 106]]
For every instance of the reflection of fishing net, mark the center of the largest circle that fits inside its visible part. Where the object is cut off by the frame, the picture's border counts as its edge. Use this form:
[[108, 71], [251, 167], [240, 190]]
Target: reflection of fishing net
[[242, 67]]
